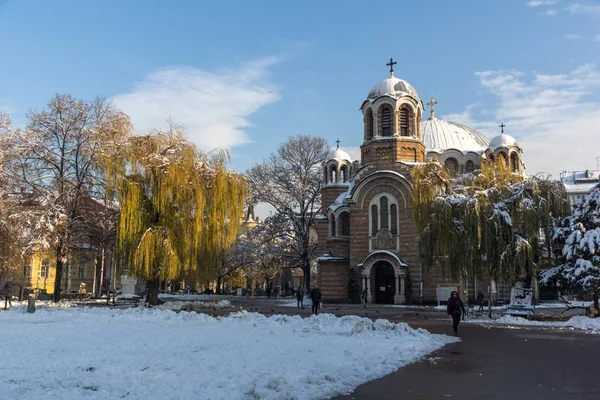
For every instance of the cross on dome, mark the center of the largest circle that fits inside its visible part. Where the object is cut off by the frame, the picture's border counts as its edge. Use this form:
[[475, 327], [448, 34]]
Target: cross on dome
[[431, 104], [502, 126], [391, 65], [338, 143]]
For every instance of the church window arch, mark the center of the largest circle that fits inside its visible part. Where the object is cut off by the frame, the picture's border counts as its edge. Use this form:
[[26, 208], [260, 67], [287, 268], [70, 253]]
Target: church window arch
[[514, 162], [386, 113], [469, 166], [374, 220], [502, 156], [344, 173], [394, 219], [369, 124], [404, 121], [451, 165], [325, 175], [384, 213], [332, 227], [332, 174], [344, 220]]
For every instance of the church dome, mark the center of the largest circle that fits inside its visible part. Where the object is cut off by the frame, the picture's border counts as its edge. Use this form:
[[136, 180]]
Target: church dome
[[338, 155], [392, 86], [440, 135], [503, 140]]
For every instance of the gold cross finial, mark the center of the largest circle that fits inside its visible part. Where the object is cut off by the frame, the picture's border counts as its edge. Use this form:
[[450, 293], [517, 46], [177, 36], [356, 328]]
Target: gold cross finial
[[432, 104]]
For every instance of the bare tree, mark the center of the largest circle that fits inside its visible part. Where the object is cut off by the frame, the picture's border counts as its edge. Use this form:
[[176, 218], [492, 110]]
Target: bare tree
[[57, 162], [290, 181]]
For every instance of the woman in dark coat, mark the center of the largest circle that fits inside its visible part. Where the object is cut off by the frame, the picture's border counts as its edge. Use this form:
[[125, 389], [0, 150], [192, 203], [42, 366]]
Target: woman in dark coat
[[455, 307]]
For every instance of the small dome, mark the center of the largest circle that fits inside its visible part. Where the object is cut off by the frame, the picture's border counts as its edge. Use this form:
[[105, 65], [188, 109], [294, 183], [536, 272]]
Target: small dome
[[440, 135], [338, 155], [392, 86], [503, 140]]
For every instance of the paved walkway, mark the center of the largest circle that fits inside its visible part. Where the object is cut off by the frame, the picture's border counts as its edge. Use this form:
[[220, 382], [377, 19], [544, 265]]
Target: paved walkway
[[489, 363]]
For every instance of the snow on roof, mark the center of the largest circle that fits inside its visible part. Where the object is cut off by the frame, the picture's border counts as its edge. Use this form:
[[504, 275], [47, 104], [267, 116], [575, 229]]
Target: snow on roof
[[440, 135], [503, 140], [338, 155], [392, 87], [580, 181]]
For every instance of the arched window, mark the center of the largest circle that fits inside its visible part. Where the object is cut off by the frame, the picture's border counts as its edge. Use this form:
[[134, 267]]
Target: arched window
[[369, 124], [386, 120], [374, 220], [384, 213], [325, 175], [404, 122], [394, 219], [503, 157], [332, 231], [344, 174], [514, 162], [452, 166], [332, 174], [345, 223], [469, 166]]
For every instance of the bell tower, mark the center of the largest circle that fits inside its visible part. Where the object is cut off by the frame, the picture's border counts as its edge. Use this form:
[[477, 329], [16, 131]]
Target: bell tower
[[392, 116]]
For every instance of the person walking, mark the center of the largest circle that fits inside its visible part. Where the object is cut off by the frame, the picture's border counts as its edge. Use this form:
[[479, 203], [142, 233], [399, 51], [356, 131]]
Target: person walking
[[364, 296], [315, 296], [480, 298], [300, 297], [455, 309]]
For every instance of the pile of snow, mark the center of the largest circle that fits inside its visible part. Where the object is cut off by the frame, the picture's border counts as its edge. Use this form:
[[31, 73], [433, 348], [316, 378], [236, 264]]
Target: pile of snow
[[592, 325], [195, 305], [138, 353]]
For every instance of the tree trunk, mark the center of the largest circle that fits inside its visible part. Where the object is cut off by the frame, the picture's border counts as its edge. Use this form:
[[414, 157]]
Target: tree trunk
[[152, 291], [306, 270], [596, 300], [218, 291], [58, 277]]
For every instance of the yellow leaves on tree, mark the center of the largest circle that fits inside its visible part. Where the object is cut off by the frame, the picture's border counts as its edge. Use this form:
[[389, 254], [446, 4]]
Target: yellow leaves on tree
[[179, 207]]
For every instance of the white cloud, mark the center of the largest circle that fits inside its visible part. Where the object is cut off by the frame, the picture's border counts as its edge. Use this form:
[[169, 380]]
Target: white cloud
[[572, 36], [213, 107], [550, 12], [536, 3], [554, 117], [589, 9]]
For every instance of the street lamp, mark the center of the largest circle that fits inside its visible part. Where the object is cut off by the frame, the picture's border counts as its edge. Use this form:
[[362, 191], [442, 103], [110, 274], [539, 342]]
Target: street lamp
[[95, 273]]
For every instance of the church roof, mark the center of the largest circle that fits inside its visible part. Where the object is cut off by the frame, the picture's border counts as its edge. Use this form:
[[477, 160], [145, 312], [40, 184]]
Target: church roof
[[393, 87], [440, 135], [503, 140], [338, 155]]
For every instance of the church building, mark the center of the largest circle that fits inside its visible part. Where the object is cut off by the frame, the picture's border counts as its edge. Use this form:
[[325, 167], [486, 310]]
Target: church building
[[367, 225]]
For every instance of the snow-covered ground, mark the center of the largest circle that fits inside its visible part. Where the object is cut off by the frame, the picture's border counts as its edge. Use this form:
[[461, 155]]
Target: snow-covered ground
[[590, 325], [139, 353]]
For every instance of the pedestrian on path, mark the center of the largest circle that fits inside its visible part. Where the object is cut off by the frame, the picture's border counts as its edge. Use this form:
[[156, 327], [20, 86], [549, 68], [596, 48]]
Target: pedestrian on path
[[315, 296], [364, 297], [480, 298], [455, 307], [300, 297]]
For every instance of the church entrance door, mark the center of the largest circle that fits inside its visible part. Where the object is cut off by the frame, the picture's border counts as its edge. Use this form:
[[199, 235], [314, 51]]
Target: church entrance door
[[385, 285]]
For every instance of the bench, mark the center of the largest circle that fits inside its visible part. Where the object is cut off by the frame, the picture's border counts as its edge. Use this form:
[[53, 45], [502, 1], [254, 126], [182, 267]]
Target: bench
[[132, 301], [520, 311]]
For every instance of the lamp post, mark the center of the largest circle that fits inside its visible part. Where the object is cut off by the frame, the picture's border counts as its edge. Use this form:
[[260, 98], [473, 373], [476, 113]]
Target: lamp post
[[95, 273]]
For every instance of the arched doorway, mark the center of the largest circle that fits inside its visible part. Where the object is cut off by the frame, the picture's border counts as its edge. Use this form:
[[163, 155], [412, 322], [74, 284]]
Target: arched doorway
[[385, 286]]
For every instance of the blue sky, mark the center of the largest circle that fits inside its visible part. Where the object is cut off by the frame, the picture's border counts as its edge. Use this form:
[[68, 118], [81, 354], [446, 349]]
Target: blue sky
[[248, 74]]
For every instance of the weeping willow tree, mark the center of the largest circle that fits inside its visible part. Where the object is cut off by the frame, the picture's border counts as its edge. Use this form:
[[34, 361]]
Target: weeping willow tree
[[180, 208], [486, 223]]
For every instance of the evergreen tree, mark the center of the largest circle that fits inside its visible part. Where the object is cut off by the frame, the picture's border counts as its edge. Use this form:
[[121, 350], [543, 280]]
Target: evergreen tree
[[580, 268], [354, 290]]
